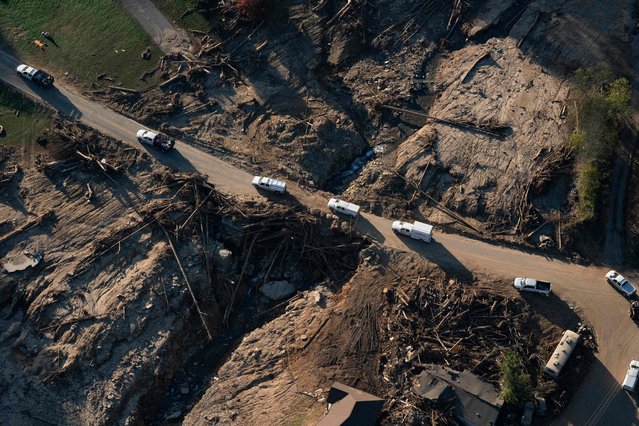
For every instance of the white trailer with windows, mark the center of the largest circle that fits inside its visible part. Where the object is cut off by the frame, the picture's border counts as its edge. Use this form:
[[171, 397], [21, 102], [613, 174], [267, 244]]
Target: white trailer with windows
[[630, 381], [343, 207], [562, 353], [417, 230], [269, 184]]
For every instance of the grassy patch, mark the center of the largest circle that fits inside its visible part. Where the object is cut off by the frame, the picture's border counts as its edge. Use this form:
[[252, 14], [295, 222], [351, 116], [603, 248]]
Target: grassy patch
[[604, 103], [174, 9], [93, 37], [23, 129]]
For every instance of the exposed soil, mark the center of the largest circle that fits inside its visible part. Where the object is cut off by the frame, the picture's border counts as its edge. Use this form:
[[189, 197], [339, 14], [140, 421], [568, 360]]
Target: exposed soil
[[96, 322], [302, 96], [376, 333]]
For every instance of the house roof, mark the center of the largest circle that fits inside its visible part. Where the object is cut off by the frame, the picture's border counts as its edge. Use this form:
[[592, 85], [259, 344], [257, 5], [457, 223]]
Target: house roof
[[475, 401], [351, 407]]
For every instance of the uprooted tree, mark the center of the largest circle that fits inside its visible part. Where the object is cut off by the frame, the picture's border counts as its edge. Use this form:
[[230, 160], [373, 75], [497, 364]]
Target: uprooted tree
[[514, 381]]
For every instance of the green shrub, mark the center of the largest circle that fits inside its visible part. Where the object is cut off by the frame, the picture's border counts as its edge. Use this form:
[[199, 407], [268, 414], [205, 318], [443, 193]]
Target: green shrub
[[603, 104]]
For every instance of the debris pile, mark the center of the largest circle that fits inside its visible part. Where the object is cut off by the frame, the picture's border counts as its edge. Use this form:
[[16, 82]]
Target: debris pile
[[467, 328], [104, 296]]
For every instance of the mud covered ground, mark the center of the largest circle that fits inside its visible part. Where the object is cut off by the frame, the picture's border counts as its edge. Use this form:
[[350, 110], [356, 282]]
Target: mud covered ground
[[304, 96], [133, 294]]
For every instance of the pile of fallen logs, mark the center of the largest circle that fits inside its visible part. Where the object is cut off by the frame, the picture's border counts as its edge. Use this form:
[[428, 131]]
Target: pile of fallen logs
[[272, 237], [461, 327], [466, 328]]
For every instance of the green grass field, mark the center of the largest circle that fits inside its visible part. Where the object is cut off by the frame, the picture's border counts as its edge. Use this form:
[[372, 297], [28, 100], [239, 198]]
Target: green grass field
[[25, 128], [173, 10], [93, 37]]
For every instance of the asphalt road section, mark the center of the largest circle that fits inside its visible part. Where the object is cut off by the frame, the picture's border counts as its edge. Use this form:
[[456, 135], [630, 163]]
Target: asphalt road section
[[599, 401]]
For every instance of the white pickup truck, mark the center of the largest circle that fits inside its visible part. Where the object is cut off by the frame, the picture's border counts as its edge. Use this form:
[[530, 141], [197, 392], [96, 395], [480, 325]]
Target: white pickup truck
[[417, 230], [156, 139], [630, 381], [37, 76], [532, 285], [620, 283]]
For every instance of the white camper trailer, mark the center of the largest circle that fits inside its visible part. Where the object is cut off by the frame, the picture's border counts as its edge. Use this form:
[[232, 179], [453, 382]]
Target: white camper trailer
[[563, 351], [417, 230], [269, 184], [343, 207]]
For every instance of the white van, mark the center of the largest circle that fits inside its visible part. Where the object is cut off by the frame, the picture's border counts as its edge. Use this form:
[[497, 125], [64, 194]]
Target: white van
[[630, 381], [343, 207]]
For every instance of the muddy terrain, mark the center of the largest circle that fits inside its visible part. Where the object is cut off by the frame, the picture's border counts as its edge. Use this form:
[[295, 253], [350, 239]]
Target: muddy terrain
[[130, 294], [313, 94], [114, 268]]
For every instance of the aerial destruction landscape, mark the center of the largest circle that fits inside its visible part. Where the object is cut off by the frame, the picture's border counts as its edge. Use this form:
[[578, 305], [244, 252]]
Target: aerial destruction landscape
[[328, 212]]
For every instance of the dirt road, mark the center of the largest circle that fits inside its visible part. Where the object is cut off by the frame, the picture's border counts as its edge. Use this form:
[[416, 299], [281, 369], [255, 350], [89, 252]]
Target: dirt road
[[600, 399], [164, 34]]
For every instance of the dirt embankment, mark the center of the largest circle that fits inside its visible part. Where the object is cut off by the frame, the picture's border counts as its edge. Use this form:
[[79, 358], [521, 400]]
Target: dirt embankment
[[396, 315], [302, 96], [96, 312]]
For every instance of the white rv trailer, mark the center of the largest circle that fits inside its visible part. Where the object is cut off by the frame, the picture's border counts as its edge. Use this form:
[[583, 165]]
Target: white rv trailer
[[343, 207], [562, 353]]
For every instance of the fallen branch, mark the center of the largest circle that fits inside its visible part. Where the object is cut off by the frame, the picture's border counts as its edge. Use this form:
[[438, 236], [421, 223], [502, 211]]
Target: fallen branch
[[29, 224], [229, 308], [188, 284], [466, 126], [124, 89]]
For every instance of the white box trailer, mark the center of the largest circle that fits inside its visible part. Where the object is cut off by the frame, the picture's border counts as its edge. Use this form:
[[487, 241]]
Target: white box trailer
[[343, 207], [630, 381], [269, 184], [563, 351], [417, 230]]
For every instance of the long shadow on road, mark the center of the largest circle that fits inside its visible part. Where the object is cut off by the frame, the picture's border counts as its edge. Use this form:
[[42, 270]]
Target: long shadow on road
[[173, 159], [600, 390], [437, 253], [553, 309]]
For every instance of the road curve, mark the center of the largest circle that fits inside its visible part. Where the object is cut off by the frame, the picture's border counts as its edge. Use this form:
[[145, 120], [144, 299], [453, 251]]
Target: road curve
[[599, 400]]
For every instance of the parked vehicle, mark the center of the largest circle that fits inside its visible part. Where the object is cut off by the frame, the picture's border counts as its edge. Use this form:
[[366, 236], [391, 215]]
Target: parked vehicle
[[532, 285], [527, 416], [155, 139], [417, 230], [343, 207], [269, 184], [562, 353], [630, 381], [620, 283], [37, 76], [634, 310]]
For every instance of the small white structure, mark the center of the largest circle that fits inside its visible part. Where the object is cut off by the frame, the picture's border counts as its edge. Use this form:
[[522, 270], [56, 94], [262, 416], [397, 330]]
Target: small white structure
[[630, 381], [563, 351], [343, 207], [269, 184], [417, 230]]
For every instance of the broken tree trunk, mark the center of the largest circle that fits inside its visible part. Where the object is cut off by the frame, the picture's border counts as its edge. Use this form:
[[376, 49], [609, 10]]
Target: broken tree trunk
[[188, 285]]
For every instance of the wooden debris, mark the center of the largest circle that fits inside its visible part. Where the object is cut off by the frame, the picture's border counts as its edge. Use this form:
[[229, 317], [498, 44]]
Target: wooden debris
[[188, 285], [124, 89]]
